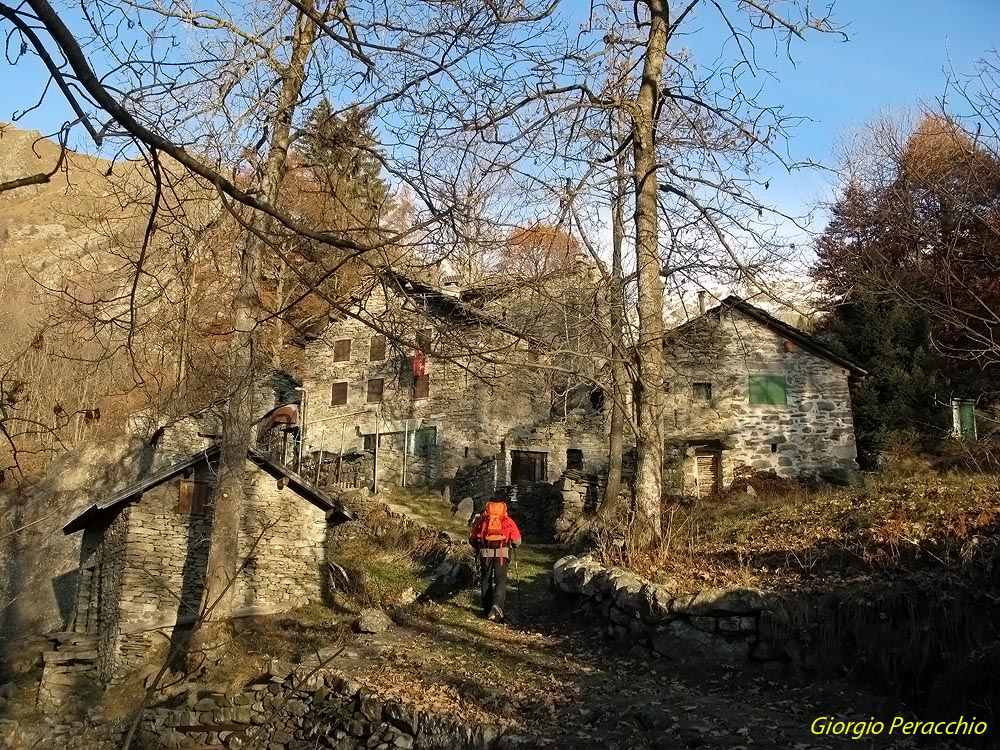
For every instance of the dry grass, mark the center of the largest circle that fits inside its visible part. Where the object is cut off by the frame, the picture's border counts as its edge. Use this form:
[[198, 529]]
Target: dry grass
[[789, 537], [431, 509]]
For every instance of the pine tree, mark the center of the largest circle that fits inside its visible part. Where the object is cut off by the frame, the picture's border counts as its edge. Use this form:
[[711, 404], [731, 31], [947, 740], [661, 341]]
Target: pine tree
[[339, 152]]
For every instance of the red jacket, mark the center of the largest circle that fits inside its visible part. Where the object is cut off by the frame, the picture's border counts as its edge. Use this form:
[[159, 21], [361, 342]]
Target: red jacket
[[512, 537]]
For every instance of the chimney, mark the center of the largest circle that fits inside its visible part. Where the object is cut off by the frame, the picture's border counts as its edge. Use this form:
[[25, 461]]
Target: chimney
[[701, 302]]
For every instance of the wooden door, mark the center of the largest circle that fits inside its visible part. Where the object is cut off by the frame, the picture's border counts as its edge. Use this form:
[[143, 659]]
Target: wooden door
[[708, 473]]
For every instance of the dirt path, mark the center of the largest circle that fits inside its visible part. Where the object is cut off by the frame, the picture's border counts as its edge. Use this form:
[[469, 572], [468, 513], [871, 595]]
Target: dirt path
[[550, 675]]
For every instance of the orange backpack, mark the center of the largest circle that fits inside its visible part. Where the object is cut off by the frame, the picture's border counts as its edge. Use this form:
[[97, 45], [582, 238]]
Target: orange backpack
[[491, 531]]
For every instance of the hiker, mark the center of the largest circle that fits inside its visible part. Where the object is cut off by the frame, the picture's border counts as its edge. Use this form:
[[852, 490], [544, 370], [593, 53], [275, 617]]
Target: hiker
[[493, 536]]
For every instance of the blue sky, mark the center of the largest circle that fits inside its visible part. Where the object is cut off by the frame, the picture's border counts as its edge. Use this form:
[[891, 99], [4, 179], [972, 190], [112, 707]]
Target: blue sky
[[896, 55]]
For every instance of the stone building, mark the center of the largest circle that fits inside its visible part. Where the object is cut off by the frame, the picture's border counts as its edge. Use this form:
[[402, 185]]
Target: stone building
[[747, 391], [444, 389], [145, 549]]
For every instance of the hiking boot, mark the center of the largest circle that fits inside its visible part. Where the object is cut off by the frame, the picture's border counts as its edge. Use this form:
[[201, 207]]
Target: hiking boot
[[496, 614]]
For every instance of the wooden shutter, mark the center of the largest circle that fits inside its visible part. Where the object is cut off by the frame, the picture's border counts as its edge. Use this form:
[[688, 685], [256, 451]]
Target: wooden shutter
[[967, 420], [191, 496], [421, 386], [768, 390], [708, 473], [376, 351], [342, 350], [375, 387], [338, 395]]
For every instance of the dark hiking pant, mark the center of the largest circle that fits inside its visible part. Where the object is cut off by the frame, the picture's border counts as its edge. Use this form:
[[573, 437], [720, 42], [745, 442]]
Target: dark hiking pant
[[494, 570]]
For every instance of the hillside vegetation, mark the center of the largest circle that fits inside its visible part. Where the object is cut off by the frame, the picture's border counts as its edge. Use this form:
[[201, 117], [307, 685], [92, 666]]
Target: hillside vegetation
[[783, 535]]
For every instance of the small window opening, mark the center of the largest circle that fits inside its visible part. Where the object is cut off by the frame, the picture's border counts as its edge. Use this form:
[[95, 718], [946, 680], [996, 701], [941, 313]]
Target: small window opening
[[702, 391], [466, 451], [376, 350], [338, 394], [342, 350], [421, 386], [527, 466], [192, 496], [597, 399], [375, 387], [574, 458], [774, 447]]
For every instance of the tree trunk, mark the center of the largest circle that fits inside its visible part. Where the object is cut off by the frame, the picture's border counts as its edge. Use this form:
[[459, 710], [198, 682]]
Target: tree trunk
[[616, 439], [649, 390], [223, 559]]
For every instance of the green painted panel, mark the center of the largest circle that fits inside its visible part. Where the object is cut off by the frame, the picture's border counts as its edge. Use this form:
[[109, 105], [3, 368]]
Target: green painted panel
[[768, 390]]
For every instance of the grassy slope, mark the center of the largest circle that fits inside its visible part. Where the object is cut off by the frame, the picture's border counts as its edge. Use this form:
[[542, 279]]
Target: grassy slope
[[789, 537]]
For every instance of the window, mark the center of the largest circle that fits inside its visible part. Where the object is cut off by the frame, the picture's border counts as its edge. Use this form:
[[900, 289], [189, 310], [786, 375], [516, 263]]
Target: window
[[422, 441], [342, 350], [701, 391], [768, 390], [376, 349], [597, 399], [375, 386], [421, 386], [192, 496], [574, 458], [527, 466], [369, 444], [338, 395]]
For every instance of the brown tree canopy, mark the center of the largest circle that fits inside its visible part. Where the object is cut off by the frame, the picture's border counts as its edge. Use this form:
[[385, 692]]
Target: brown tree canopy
[[920, 224], [538, 249]]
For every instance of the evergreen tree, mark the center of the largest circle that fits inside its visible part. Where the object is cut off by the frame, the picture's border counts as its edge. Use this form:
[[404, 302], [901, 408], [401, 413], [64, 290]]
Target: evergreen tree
[[339, 153], [897, 399]]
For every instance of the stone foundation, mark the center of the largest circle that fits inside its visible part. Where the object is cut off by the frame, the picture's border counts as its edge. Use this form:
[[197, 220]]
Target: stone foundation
[[70, 674]]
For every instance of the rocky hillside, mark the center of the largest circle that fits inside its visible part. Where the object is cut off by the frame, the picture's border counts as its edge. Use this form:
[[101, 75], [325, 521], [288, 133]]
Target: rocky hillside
[[45, 227]]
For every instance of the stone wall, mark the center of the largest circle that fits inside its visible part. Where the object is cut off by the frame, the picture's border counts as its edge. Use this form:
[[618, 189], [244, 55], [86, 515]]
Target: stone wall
[[479, 406], [102, 602], [723, 625], [70, 674], [477, 480], [153, 561], [283, 538], [302, 705], [811, 435], [289, 707]]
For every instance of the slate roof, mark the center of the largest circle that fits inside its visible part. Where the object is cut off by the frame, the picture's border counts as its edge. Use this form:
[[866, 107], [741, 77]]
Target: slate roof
[[780, 327], [335, 512], [449, 305]]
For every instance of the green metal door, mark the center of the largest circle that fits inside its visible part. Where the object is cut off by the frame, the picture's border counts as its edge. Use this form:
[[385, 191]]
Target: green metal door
[[967, 420]]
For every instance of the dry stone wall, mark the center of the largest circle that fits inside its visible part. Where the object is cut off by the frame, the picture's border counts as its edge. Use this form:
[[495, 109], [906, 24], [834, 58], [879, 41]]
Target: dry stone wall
[[70, 675], [724, 625], [308, 706], [109, 577], [283, 539]]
